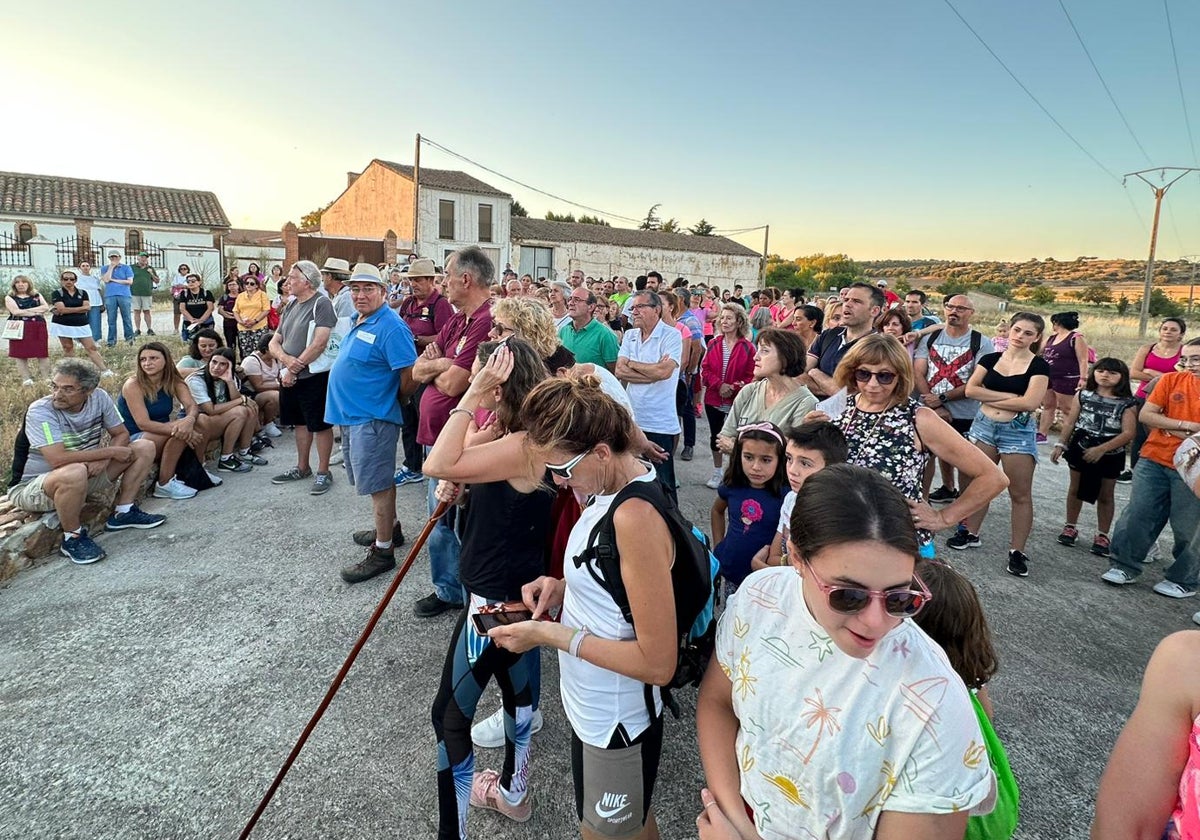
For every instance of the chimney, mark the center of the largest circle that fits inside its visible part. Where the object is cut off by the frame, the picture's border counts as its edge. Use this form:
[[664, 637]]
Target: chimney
[[351, 177]]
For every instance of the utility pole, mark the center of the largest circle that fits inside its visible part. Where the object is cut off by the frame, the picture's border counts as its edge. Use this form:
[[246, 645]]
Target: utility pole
[[762, 267], [417, 196], [1159, 192], [1192, 285]]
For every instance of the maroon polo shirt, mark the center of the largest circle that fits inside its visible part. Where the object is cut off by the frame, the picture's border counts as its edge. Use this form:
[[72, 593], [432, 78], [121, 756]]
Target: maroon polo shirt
[[426, 318], [458, 341]]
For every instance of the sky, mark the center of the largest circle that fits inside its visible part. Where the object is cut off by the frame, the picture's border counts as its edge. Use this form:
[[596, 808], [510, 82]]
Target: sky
[[874, 128]]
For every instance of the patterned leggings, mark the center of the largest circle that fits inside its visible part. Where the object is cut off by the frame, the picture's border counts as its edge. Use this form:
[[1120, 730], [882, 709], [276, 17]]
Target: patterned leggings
[[248, 341], [470, 662]]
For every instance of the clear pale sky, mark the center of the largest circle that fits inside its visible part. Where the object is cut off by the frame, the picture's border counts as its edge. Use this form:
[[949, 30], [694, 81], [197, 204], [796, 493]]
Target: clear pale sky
[[875, 128]]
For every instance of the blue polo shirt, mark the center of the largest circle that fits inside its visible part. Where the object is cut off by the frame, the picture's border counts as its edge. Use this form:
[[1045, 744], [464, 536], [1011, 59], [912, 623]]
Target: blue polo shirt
[[121, 272], [365, 378]]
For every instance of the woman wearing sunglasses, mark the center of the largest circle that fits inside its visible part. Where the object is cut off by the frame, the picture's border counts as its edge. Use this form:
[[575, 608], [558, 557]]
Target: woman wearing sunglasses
[[889, 431], [504, 532], [70, 322], [609, 668], [251, 310], [826, 711]]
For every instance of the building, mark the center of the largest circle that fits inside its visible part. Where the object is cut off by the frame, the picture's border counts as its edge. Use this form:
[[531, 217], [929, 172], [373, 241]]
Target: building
[[553, 249], [48, 223], [456, 210]]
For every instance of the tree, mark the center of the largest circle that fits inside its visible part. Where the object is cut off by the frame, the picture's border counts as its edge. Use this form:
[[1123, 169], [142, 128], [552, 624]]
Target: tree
[[312, 219], [1122, 304], [518, 210], [1041, 295], [551, 216], [593, 220], [1096, 293], [671, 226], [702, 228], [1161, 305], [953, 286], [651, 222]]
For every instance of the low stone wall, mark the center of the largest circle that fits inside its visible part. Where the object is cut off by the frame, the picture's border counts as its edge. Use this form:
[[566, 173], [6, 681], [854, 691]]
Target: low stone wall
[[27, 539]]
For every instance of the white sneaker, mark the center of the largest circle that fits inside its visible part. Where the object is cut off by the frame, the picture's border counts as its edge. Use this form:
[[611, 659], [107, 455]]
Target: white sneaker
[[489, 732], [27, 382], [1171, 589], [271, 430], [214, 478], [715, 482], [173, 489], [107, 374], [1117, 577], [336, 458], [1153, 555]]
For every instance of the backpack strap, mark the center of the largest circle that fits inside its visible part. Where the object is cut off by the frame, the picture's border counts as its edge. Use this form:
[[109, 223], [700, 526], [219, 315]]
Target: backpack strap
[[976, 343]]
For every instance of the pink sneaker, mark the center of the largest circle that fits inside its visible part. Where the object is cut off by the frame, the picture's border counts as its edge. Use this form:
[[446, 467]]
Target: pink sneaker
[[485, 793]]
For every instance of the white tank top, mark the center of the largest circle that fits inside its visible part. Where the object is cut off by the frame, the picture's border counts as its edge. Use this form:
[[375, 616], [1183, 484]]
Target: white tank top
[[596, 699]]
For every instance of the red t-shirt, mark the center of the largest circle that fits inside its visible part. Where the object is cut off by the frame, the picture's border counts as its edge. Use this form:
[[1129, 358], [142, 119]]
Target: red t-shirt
[[458, 341]]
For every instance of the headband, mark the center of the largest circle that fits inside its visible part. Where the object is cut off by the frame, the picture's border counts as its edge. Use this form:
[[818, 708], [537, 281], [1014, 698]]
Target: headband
[[769, 428]]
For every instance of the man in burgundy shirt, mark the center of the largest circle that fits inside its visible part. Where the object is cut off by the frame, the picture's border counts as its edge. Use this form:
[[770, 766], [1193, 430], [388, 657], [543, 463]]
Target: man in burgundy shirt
[[426, 312], [445, 369]]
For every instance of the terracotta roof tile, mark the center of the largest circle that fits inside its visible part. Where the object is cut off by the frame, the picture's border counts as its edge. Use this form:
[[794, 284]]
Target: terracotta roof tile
[[540, 230], [49, 195]]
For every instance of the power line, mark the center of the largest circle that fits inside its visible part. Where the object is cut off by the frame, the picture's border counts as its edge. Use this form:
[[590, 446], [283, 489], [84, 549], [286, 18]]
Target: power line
[[1104, 84], [1029, 93], [1178, 78], [466, 159]]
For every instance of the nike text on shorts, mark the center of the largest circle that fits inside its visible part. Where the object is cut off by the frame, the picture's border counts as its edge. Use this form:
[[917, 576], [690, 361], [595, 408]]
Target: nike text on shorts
[[614, 786]]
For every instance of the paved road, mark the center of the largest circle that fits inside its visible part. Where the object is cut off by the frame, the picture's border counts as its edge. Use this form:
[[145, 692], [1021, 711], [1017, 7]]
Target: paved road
[[155, 694]]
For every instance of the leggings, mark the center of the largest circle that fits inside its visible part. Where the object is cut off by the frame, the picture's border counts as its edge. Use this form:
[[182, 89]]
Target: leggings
[[470, 662], [716, 420]]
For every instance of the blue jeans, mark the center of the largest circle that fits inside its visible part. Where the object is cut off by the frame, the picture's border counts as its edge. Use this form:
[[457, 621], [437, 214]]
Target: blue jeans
[[1158, 496], [125, 304], [94, 315], [444, 546]]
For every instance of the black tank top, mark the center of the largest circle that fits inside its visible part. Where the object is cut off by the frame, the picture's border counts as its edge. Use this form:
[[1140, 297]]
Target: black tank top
[[504, 539]]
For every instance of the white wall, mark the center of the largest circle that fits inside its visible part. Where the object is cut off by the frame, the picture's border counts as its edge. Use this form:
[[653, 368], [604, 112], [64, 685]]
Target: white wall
[[607, 260], [466, 225]]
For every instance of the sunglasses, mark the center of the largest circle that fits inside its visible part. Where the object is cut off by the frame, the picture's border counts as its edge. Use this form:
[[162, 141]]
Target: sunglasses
[[849, 600], [563, 471], [883, 377], [501, 329]]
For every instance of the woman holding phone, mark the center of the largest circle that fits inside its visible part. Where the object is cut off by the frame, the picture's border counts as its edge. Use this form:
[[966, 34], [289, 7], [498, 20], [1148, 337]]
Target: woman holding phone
[[504, 535], [609, 667]]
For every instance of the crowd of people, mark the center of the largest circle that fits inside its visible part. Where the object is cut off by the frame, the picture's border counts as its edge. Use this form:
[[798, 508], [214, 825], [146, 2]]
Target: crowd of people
[[545, 413]]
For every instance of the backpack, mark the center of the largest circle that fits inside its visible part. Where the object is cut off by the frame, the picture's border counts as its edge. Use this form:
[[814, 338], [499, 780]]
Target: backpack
[[1091, 349], [692, 577]]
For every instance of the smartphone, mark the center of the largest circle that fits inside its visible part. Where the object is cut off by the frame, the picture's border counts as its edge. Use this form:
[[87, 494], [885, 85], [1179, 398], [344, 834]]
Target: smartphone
[[485, 621]]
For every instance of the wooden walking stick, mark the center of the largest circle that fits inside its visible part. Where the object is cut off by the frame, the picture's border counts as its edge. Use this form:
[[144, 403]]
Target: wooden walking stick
[[341, 675]]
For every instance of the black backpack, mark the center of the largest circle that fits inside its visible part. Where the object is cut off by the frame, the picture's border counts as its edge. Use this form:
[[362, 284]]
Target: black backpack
[[692, 578]]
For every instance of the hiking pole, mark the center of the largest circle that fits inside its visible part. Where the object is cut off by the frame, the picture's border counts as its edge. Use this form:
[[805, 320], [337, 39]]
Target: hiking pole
[[341, 675]]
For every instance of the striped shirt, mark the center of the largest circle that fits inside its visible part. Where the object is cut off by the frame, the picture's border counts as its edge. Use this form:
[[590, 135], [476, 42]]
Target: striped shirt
[[46, 425]]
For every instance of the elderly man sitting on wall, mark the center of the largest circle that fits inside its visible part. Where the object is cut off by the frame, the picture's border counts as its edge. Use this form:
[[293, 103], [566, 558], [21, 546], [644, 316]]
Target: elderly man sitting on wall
[[58, 460]]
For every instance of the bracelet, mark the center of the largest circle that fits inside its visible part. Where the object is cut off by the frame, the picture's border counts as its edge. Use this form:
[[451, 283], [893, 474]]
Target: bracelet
[[576, 641], [1060, 445], [465, 411]]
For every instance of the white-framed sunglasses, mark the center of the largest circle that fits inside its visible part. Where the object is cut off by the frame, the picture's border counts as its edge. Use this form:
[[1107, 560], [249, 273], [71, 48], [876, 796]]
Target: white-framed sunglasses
[[563, 471]]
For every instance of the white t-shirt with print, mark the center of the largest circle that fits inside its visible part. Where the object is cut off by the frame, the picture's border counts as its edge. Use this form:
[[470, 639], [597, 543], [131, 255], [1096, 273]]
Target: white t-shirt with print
[[828, 741]]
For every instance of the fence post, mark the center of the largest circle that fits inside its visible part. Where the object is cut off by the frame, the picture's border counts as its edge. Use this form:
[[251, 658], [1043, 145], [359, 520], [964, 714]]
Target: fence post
[[43, 255]]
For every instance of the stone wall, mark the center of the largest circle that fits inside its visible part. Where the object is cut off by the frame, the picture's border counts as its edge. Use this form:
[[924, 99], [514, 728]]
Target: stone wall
[[28, 539]]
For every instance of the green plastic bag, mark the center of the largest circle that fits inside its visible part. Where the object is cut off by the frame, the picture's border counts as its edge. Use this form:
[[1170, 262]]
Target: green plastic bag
[[1002, 821]]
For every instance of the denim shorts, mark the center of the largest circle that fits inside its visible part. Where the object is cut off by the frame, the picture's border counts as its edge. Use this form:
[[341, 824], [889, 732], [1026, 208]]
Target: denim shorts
[[1013, 437]]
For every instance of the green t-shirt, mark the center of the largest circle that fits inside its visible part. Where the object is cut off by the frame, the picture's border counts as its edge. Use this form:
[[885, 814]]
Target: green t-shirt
[[143, 281]]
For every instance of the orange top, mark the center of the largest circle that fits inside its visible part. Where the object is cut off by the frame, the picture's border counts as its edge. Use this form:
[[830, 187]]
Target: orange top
[[1178, 395]]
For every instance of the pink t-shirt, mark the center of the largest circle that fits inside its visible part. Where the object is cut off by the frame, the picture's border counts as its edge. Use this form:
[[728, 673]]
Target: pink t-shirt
[[1185, 820]]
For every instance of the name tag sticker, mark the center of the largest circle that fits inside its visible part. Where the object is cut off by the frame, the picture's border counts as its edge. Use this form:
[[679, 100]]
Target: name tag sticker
[[369, 338]]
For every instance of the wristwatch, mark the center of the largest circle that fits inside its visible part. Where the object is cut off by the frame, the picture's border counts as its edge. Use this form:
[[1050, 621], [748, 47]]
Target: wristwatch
[[942, 397]]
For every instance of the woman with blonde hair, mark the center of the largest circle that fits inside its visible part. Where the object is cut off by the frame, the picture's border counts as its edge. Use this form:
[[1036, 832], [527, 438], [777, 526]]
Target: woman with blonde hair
[[833, 315], [530, 319], [25, 305]]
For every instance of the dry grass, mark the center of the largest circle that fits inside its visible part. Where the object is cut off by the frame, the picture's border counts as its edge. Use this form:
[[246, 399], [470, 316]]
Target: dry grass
[[15, 397]]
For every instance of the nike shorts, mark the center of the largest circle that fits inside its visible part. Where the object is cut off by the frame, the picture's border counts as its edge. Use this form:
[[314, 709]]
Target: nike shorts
[[614, 785]]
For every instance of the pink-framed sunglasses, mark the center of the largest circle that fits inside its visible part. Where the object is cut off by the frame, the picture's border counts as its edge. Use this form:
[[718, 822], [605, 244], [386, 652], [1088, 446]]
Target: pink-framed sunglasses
[[849, 600]]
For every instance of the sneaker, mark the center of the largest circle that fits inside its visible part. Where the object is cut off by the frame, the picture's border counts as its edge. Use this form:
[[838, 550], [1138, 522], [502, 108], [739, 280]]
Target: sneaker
[[251, 458], [715, 481], [232, 464], [375, 563], [321, 484], [1100, 545], [1018, 563], [942, 496], [686, 454], [294, 474], [1196, 618], [406, 476], [107, 374], [27, 382], [271, 430], [81, 550], [136, 334], [485, 793], [1171, 589], [336, 458], [963, 540], [137, 518], [214, 478], [1068, 536], [1041, 438], [173, 489], [489, 732], [367, 537], [1126, 477], [150, 332], [1153, 555], [1117, 577], [431, 605]]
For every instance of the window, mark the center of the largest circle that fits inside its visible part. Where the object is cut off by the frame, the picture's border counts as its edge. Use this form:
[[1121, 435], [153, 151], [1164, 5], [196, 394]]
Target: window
[[24, 233], [445, 219], [485, 223], [133, 241]]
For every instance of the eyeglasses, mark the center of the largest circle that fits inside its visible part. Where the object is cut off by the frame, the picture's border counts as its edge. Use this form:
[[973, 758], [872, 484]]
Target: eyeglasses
[[65, 389], [1189, 360], [563, 471], [500, 329], [68, 278], [950, 308], [850, 600], [249, 283], [642, 306], [884, 377]]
